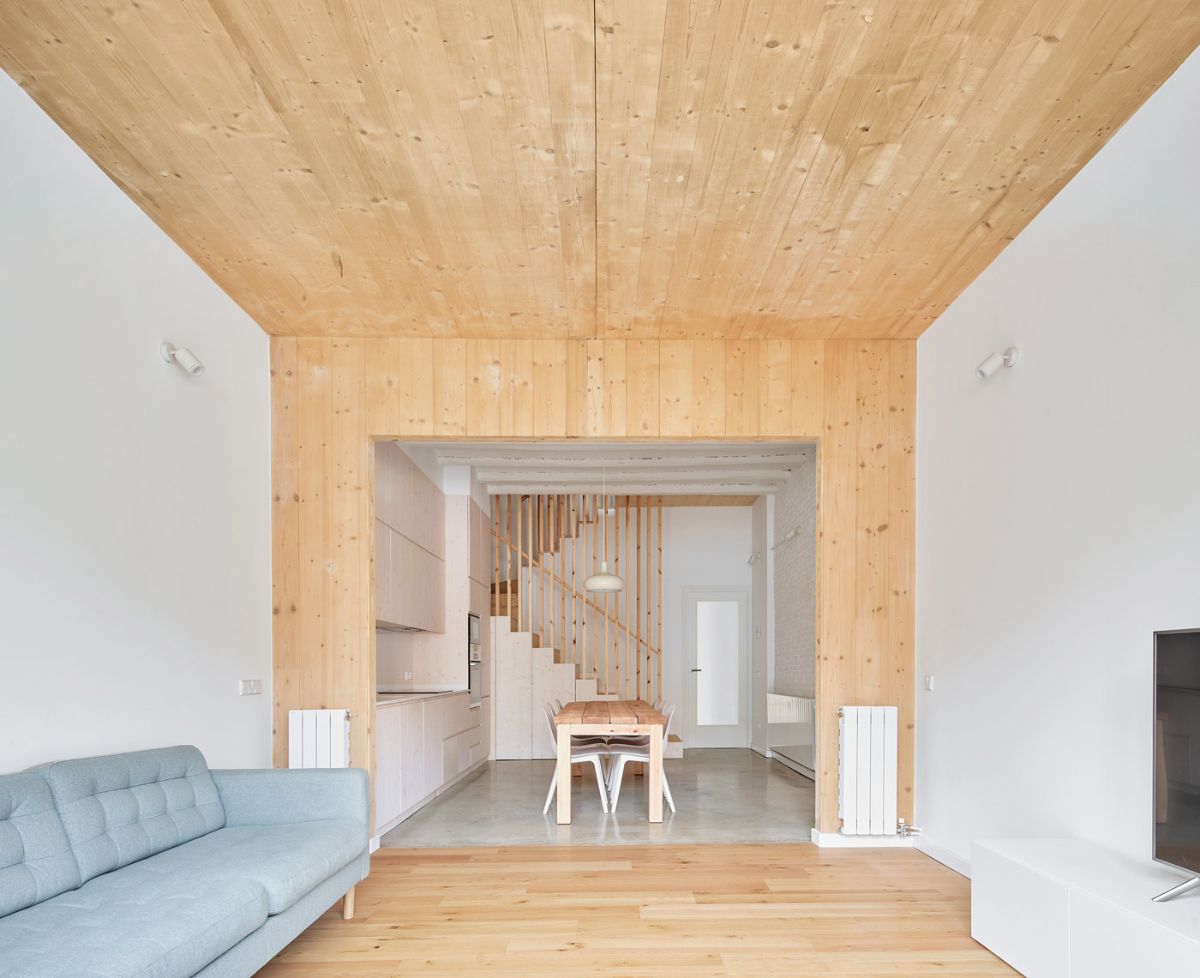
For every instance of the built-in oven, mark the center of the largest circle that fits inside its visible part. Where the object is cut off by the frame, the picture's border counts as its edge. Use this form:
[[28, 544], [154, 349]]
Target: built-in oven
[[474, 658]]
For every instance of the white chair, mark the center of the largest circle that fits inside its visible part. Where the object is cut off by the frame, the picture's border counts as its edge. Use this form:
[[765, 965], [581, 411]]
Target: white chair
[[593, 755], [620, 753]]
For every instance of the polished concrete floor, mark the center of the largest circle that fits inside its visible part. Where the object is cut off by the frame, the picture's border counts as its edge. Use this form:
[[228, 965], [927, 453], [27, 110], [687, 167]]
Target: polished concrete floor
[[721, 796]]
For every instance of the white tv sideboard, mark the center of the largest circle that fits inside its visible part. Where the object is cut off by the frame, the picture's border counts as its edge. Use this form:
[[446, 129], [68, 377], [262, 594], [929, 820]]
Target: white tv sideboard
[[1063, 908]]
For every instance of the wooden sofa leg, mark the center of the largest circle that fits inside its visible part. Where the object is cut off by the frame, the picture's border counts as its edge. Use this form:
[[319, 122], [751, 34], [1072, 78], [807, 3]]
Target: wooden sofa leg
[[348, 904]]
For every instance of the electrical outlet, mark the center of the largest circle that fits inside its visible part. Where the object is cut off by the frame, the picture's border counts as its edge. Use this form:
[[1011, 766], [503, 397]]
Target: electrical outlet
[[929, 684], [407, 676], [250, 687]]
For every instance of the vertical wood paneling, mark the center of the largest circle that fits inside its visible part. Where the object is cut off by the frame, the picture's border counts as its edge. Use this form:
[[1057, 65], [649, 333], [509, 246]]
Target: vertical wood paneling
[[642, 390], [741, 389], [708, 389], [485, 403], [577, 388], [318, 508], [550, 387], [516, 394], [901, 567], [675, 389], [286, 547], [856, 398], [449, 388], [836, 572]]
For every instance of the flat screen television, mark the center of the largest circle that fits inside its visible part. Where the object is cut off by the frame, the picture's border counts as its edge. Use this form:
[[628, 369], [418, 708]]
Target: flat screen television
[[1177, 754]]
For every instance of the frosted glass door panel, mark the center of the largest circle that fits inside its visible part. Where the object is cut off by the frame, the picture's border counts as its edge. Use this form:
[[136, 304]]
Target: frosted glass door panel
[[718, 683]]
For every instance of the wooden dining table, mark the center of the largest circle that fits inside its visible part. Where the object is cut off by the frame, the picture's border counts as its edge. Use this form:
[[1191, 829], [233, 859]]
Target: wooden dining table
[[610, 718]]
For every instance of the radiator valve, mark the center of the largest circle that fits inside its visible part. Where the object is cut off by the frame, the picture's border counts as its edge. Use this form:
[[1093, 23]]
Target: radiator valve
[[905, 830]]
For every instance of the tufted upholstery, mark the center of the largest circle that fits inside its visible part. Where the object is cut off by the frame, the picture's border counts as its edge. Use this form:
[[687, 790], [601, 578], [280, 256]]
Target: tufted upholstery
[[125, 807], [35, 860]]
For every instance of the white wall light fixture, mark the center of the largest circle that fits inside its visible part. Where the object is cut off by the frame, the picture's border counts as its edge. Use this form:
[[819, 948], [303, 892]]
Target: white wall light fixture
[[991, 366], [187, 360]]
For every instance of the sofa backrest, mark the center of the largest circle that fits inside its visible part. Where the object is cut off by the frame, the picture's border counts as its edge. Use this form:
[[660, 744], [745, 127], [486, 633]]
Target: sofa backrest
[[36, 861], [125, 807]]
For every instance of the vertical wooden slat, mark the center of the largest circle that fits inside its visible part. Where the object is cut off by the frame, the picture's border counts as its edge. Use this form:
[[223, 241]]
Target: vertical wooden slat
[[508, 554], [521, 605], [540, 559], [649, 594], [595, 639], [494, 598], [630, 650], [605, 528], [637, 617], [564, 514], [615, 610], [574, 525], [658, 615]]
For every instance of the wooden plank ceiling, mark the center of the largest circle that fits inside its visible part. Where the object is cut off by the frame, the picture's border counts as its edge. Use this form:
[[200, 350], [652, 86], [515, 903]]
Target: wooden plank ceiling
[[575, 168]]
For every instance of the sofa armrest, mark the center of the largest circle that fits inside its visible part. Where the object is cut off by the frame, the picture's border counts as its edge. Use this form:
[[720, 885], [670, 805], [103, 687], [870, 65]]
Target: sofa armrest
[[275, 796]]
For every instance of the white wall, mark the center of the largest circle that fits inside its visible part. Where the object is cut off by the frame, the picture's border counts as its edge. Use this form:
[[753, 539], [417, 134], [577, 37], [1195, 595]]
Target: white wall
[[794, 576], [703, 546], [135, 500], [762, 620], [1059, 503]]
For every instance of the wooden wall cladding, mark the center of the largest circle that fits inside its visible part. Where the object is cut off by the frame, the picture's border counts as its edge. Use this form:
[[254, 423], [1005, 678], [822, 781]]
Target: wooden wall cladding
[[855, 399]]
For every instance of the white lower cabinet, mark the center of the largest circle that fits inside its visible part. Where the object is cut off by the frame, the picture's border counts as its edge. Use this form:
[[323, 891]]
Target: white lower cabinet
[[412, 755], [420, 747]]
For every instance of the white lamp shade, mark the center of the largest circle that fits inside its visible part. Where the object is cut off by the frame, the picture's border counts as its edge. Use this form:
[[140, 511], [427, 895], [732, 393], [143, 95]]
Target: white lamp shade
[[604, 581]]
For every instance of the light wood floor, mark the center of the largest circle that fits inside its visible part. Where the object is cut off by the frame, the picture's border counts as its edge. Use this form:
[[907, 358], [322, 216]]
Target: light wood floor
[[643, 911]]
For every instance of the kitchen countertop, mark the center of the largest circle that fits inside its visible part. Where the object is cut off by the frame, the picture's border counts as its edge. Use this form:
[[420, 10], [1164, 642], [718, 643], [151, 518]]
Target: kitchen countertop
[[392, 698]]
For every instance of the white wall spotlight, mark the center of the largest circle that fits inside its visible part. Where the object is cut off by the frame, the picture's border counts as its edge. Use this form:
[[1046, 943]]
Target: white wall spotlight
[[991, 366], [191, 364]]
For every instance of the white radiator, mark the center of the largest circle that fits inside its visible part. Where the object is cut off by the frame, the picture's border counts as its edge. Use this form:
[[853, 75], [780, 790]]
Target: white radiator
[[789, 709], [867, 770], [318, 738]]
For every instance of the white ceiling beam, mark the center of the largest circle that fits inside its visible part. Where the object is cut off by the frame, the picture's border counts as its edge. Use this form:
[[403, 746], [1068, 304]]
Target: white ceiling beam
[[639, 488], [553, 460], [582, 476]]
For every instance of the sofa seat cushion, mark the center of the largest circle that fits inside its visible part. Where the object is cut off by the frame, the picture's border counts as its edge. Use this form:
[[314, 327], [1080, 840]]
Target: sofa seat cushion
[[124, 807], [138, 922], [287, 860]]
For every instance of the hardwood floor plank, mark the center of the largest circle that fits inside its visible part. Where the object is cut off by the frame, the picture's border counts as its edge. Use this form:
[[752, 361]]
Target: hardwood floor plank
[[718, 910]]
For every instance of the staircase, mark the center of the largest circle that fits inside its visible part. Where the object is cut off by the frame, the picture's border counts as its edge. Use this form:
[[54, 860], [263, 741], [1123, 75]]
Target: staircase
[[552, 640], [545, 546]]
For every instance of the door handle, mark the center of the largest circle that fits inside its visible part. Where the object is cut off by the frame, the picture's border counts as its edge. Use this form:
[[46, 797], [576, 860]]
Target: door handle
[[697, 670]]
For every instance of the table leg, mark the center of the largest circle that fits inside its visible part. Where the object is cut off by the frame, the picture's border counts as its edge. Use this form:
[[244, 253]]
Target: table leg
[[564, 774], [654, 781]]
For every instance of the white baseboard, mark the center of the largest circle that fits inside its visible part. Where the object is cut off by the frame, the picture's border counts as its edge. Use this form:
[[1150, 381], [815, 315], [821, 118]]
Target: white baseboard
[[765, 751], [835, 840], [800, 769], [374, 843], [951, 860], [473, 769]]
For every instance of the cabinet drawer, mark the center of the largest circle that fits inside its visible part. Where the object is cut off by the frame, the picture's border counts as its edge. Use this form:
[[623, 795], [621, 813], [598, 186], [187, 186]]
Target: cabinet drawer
[[457, 714]]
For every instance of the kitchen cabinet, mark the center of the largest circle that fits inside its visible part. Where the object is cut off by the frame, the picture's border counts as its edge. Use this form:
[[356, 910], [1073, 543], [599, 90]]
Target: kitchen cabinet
[[388, 753], [435, 711], [421, 746], [410, 583], [412, 755]]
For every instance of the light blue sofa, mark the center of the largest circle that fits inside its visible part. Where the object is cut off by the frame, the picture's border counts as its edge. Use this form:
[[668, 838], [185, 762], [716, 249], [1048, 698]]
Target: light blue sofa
[[148, 865]]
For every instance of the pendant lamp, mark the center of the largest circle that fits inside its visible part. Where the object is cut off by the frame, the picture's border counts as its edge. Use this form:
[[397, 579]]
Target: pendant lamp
[[604, 582]]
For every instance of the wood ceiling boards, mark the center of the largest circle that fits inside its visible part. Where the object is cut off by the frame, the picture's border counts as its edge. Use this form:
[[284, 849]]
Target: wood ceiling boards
[[628, 168]]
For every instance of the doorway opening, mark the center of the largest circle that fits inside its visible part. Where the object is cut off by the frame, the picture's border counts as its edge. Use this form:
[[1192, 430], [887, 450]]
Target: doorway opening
[[514, 535]]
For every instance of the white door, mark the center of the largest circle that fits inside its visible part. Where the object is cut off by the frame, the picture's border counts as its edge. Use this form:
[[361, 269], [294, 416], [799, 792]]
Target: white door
[[716, 630]]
